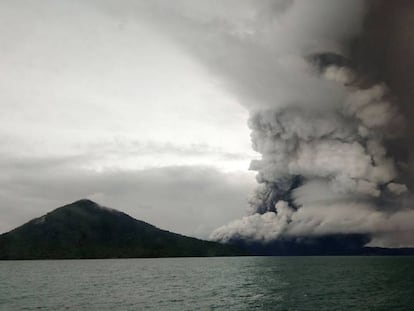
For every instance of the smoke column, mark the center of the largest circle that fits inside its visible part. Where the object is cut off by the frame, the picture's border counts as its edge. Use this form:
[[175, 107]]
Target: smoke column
[[327, 85]]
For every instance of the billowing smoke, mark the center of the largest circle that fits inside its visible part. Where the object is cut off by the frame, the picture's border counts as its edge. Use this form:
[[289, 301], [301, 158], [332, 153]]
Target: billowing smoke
[[329, 113]]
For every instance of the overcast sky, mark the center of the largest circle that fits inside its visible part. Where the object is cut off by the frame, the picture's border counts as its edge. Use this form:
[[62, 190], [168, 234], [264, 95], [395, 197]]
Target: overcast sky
[[96, 103]]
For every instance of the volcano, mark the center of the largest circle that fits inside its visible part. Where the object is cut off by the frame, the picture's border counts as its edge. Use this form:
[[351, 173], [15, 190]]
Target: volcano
[[84, 229]]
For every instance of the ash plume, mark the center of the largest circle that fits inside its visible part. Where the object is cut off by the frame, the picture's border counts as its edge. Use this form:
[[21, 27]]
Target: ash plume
[[327, 85]]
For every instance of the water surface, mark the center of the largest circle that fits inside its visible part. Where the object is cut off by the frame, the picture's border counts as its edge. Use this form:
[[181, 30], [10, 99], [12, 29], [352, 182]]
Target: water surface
[[233, 283]]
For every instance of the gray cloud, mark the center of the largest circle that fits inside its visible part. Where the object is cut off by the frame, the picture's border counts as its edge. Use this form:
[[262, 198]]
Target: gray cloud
[[136, 147], [190, 200], [316, 115]]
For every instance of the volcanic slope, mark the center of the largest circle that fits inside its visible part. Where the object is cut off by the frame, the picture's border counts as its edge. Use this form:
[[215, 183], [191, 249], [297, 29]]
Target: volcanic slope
[[84, 229]]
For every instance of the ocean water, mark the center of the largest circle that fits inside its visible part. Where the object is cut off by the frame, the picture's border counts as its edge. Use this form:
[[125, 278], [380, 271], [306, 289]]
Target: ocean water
[[233, 283]]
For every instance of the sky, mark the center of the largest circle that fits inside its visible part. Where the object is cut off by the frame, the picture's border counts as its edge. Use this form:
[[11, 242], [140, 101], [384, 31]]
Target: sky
[[226, 119], [97, 104]]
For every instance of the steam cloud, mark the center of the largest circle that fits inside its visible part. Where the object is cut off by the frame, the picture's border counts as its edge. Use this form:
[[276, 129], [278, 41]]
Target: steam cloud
[[328, 113]]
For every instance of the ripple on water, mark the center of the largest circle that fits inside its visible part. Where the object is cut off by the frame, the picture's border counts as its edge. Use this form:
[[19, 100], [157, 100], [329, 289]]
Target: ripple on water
[[243, 283]]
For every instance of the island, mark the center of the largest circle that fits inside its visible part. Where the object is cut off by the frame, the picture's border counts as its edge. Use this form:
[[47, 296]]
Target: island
[[85, 229]]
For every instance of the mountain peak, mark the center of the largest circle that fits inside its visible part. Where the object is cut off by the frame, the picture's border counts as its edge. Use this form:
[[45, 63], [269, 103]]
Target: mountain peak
[[85, 229], [85, 203]]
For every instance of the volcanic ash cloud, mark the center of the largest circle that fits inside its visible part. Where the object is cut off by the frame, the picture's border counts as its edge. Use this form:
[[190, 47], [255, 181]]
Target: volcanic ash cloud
[[330, 132]]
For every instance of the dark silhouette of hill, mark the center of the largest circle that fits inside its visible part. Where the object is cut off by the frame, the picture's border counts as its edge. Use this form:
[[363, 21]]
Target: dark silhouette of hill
[[85, 229], [328, 245]]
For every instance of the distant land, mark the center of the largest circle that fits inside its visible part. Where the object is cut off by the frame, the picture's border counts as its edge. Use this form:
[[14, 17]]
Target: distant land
[[328, 245], [85, 229]]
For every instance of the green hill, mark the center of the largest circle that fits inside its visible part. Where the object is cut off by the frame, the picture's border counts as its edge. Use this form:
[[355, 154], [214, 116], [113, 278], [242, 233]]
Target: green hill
[[85, 229]]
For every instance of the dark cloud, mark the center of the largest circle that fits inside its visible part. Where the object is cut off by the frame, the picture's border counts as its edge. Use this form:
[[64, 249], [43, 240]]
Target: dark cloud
[[385, 52]]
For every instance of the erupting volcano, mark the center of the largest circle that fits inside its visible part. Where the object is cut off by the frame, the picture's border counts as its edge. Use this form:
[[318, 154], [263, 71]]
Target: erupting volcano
[[326, 83]]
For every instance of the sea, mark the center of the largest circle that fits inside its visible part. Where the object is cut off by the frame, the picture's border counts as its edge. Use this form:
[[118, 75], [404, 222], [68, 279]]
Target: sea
[[228, 283]]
